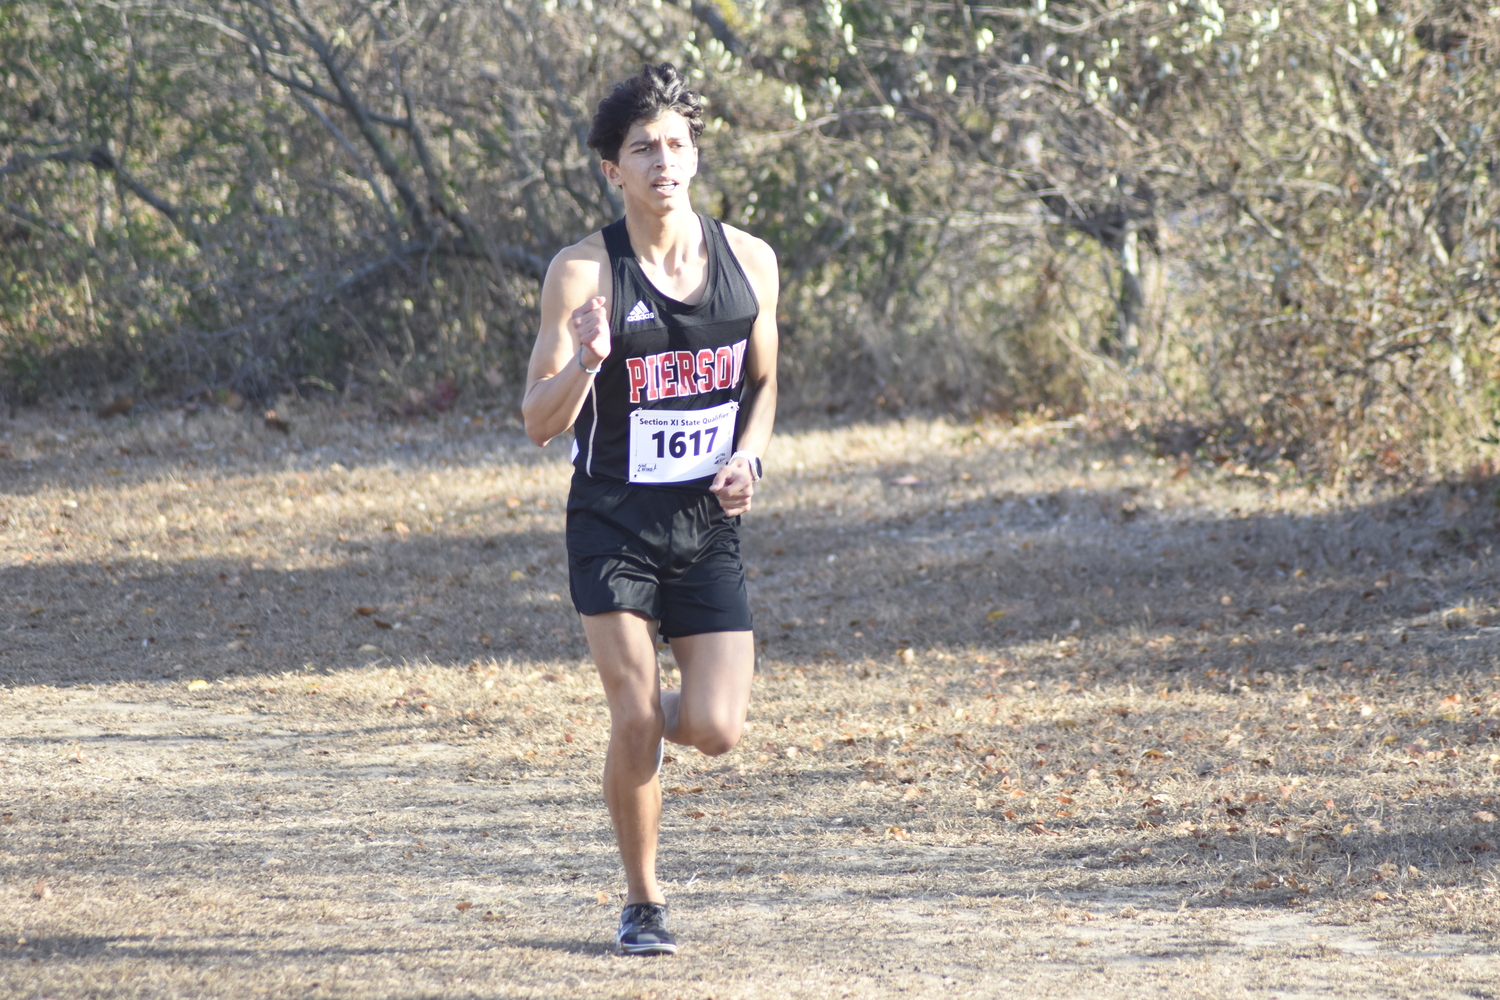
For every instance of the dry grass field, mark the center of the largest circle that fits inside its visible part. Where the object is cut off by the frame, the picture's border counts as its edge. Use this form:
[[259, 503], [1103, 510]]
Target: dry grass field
[[308, 714]]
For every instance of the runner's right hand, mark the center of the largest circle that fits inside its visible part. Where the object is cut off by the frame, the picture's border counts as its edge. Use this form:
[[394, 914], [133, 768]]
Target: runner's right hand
[[590, 325]]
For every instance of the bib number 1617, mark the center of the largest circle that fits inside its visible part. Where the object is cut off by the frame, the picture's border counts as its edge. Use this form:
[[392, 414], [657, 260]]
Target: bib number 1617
[[678, 446]]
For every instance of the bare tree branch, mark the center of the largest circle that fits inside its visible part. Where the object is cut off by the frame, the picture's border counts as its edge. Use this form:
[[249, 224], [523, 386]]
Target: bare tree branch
[[36, 222], [356, 110], [102, 159], [359, 163]]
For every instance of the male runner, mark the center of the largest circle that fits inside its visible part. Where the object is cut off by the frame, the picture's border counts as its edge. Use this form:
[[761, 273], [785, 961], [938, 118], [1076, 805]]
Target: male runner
[[658, 347]]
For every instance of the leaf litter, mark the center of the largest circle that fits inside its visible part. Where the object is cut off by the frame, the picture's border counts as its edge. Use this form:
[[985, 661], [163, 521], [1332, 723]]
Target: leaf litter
[[1139, 768]]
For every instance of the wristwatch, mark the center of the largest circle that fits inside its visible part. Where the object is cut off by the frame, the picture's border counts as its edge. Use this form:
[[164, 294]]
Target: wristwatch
[[752, 460]]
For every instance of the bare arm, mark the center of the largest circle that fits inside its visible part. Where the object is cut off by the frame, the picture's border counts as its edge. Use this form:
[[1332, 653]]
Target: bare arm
[[574, 329], [734, 483]]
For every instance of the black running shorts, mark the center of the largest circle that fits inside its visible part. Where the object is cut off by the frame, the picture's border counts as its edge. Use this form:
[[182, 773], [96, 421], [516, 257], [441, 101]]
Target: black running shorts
[[669, 554]]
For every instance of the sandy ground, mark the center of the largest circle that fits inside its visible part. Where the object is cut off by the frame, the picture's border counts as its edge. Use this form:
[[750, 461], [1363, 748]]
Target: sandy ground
[[309, 714]]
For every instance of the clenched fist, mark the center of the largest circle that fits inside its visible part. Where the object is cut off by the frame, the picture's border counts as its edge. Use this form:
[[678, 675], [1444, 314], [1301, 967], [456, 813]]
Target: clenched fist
[[590, 326]]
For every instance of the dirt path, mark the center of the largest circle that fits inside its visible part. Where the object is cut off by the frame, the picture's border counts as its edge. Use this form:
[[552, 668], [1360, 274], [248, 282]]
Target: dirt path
[[309, 716]]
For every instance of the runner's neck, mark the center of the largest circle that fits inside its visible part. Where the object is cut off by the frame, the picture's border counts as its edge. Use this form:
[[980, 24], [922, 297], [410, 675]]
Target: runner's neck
[[672, 250]]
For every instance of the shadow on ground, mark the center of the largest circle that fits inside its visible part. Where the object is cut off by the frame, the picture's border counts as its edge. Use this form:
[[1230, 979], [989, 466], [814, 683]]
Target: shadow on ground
[[1404, 584]]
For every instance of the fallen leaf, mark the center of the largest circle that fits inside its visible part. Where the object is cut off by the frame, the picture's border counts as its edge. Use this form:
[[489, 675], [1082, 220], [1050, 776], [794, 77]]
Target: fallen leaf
[[490, 915], [464, 906], [906, 481], [366, 610], [896, 831], [1379, 897], [696, 814], [443, 393], [368, 648], [199, 684], [275, 423], [41, 891], [1484, 816], [119, 407], [603, 897], [381, 624]]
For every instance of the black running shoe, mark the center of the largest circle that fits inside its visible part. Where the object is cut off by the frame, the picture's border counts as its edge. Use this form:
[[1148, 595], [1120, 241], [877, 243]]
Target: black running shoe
[[643, 930]]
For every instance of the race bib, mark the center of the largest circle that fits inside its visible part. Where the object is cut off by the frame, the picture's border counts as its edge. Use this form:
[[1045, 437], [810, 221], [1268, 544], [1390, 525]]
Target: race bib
[[677, 446]]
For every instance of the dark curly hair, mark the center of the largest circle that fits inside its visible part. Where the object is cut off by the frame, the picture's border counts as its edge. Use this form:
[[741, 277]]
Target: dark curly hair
[[645, 97]]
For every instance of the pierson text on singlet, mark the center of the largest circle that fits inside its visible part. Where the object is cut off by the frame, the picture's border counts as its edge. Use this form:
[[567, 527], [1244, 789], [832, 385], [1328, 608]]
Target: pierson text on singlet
[[683, 373]]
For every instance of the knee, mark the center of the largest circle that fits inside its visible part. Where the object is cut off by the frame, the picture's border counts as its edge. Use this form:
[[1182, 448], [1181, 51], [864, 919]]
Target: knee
[[636, 725], [718, 740]]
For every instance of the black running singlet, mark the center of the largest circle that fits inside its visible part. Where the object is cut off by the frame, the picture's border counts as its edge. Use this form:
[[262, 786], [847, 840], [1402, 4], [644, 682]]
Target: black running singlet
[[664, 409]]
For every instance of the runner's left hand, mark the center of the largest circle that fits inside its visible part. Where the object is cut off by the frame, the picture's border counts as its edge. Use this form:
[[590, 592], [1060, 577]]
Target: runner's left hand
[[734, 486]]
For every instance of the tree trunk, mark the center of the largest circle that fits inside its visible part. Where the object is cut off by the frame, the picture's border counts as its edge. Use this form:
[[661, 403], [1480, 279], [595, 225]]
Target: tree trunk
[[1132, 301]]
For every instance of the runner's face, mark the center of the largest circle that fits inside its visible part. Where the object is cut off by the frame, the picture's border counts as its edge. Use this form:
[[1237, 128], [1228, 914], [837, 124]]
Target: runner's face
[[656, 162]]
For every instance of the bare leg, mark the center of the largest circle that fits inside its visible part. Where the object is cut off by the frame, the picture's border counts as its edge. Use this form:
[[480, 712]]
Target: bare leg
[[670, 701], [716, 670], [623, 645], [709, 711]]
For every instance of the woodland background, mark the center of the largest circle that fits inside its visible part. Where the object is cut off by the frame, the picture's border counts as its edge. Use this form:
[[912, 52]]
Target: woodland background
[[1266, 232]]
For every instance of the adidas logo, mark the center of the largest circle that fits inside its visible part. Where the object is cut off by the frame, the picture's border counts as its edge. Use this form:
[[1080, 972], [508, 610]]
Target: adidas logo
[[639, 313]]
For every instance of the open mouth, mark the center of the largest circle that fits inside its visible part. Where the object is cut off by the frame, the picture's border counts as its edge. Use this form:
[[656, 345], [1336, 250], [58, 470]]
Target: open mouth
[[666, 187]]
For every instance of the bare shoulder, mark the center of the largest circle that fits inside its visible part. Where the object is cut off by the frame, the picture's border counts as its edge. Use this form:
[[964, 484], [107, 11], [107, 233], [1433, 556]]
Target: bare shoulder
[[754, 253], [582, 258], [577, 273]]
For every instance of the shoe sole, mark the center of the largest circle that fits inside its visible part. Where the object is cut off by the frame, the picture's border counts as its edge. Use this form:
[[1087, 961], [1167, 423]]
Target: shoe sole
[[649, 949]]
